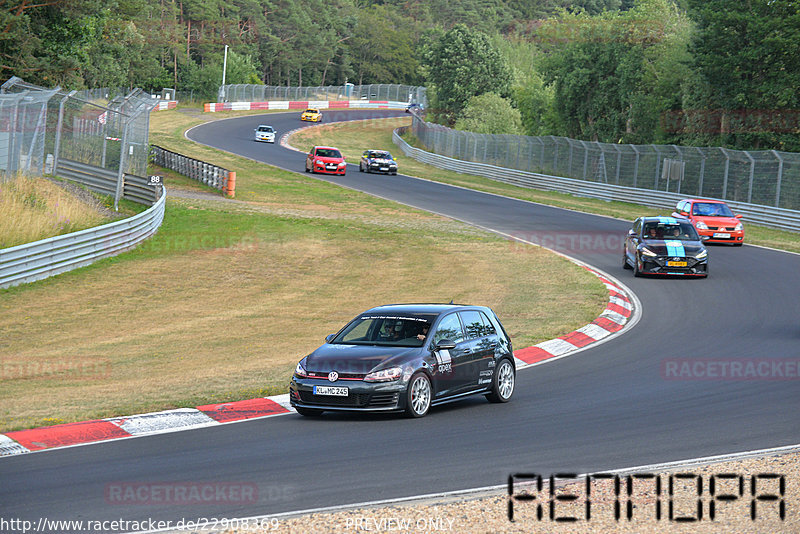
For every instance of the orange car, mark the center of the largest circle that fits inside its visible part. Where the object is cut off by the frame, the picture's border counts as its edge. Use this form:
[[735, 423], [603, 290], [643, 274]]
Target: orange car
[[712, 218]]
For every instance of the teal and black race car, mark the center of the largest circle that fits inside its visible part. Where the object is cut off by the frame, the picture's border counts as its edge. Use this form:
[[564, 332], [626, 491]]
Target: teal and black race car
[[665, 246]]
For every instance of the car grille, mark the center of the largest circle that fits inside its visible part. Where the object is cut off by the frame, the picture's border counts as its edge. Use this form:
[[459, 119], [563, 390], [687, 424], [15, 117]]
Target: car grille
[[721, 229], [360, 400], [382, 400]]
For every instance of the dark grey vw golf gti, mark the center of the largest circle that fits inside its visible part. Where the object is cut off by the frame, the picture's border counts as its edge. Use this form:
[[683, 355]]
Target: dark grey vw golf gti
[[407, 357]]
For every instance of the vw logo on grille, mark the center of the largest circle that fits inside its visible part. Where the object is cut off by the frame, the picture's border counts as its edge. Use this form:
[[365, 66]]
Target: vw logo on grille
[[333, 376], [676, 259]]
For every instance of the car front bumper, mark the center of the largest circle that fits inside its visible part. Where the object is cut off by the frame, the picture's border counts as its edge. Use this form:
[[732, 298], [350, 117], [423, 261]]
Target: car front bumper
[[669, 266], [734, 236], [362, 396]]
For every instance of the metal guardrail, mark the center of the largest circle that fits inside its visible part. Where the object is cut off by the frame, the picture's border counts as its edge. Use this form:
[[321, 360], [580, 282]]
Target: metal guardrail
[[48, 257], [103, 181], [206, 173], [763, 215]]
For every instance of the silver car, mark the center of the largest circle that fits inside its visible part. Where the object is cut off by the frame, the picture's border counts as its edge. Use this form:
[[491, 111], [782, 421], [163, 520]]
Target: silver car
[[265, 133]]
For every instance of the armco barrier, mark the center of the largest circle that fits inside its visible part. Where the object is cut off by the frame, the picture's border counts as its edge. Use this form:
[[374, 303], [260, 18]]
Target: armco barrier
[[302, 104], [104, 181], [205, 173], [763, 215], [48, 257]]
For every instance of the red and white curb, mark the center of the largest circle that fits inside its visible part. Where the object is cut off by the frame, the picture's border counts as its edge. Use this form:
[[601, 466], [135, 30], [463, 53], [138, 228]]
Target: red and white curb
[[620, 312], [85, 432]]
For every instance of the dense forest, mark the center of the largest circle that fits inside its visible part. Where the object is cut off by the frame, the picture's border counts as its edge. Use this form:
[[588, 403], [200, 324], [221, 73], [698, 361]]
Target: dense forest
[[702, 72]]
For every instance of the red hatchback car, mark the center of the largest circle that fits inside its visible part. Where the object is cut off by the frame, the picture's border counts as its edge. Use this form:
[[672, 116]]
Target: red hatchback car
[[712, 218], [326, 159]]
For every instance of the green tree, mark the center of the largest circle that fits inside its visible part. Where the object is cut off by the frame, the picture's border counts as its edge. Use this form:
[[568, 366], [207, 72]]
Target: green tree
[[462, 64], [747, 59], [490, 113], [616, 74]]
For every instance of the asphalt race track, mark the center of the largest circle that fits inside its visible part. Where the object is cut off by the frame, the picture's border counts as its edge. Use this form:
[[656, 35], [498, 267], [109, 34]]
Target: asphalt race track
[[609, 407]]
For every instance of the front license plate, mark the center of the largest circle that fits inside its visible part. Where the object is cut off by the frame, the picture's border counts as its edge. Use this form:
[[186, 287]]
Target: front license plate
[[676, 264], [722, 235], [331, 167], [331, 390], [384, 168]]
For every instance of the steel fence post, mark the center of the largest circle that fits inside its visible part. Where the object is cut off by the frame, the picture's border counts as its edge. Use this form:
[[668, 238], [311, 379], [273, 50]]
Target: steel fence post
[[752, 174], [779, 177], [635, 166], [59, 129], [725, 177], [585, 157], [702, 170], [619, 161]]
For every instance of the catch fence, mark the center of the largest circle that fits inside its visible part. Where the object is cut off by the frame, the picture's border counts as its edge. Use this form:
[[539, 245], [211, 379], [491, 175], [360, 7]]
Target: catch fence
[[760, 177]]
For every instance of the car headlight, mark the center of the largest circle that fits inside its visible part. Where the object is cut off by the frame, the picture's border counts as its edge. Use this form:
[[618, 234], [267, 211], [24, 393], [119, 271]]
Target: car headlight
[[647, 252], [384, 375], [342, 164], [703, 255], [738, 227], [300, 371], [701, 225], [318, 162]]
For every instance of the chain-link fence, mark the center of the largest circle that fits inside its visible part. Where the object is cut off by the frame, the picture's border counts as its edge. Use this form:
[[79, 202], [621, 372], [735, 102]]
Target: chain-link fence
[[38, 126], [263, 93], [765, 177]]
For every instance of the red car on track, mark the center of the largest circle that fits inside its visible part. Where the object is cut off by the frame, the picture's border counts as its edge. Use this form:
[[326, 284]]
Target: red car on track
[[326, 159], [712, 218]]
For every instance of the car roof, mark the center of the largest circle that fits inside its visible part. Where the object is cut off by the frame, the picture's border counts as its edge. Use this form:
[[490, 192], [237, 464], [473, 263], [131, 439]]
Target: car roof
[[264, 126], [666, 220], [328, 147], [312, 109], [705, 200], [420, 308]]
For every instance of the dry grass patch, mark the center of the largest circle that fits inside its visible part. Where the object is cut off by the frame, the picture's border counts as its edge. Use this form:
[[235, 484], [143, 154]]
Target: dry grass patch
[[36, 208]]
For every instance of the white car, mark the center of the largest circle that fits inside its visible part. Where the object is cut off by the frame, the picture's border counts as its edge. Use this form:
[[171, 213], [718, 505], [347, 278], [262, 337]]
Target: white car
[[265, 133]]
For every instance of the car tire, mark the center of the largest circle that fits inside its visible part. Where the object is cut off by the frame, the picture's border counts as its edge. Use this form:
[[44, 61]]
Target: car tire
[[418, 395], [503, 382], [625, 264], [308, 412], [360, 168], [307, 169], [636, 272]]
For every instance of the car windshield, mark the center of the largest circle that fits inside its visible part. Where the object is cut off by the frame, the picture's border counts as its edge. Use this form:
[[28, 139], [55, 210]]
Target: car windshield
[[711, 209], [380, 155], [328, 153], [309, 111], [264, 128], [402, 330], [678, 231]]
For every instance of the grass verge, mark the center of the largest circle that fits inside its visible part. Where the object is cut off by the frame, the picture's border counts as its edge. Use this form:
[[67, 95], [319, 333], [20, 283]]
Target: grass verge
[[36, 208], [227, 296]]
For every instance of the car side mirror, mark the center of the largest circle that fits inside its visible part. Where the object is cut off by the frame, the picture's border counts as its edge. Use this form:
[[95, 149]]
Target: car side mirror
[[705, 238], [329, 338], [444, 344], [738, 215], [685, 214], [631, 233]]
